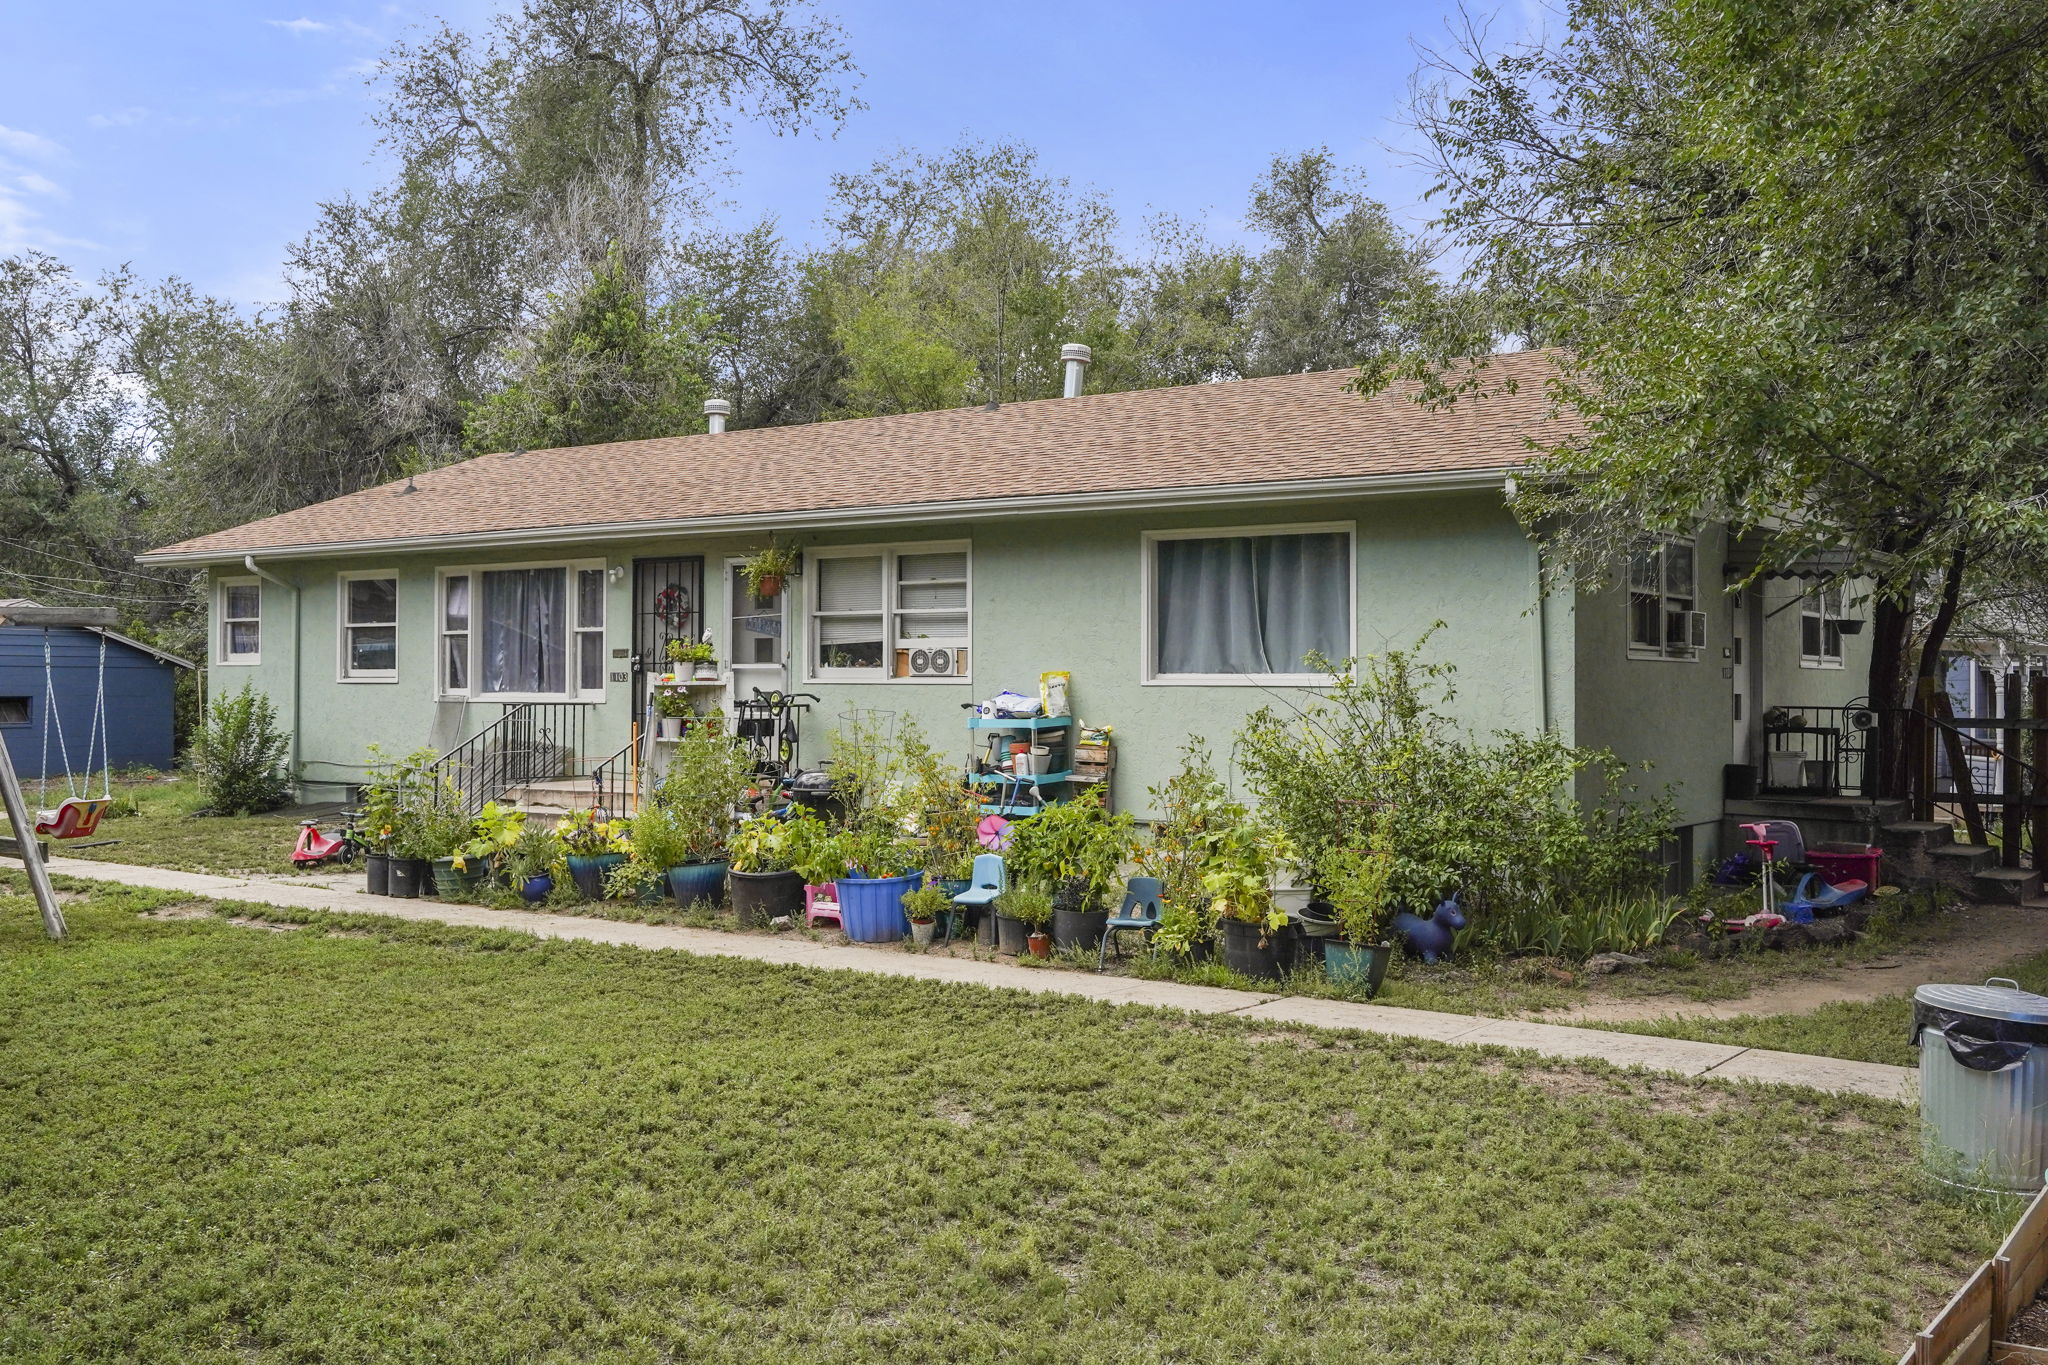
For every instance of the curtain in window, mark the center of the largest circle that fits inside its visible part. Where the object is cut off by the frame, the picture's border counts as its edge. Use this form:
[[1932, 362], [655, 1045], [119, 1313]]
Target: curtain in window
[[1251, 604], [524, 630]]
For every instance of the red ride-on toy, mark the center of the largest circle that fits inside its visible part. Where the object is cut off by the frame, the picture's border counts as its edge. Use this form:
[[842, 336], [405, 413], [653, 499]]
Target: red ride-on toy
[[316, 847]]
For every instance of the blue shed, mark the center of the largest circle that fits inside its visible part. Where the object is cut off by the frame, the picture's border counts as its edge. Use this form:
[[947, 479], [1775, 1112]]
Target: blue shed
[[140, 683]]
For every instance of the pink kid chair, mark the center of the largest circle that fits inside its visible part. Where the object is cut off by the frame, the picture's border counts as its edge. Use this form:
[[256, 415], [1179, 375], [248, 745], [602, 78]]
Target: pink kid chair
[[821, 902]]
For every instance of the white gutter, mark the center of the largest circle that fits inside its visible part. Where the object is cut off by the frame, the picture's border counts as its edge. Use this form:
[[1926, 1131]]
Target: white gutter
[[981, 509], [298, 652]]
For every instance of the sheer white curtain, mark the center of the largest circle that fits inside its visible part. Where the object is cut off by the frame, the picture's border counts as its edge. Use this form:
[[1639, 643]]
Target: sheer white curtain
[[525, 644], [1251, 604]]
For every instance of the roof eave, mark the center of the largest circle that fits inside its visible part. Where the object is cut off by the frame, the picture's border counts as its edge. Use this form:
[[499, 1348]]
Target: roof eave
[[1233, 495]]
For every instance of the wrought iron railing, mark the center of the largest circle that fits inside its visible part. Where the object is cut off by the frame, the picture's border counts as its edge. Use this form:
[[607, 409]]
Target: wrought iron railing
[[1818, 750], [531, 742], [615, 782]]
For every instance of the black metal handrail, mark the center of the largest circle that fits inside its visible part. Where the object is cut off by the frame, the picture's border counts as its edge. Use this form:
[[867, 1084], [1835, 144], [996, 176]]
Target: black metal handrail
[[531, 742], [1835, 740], [613, 782]]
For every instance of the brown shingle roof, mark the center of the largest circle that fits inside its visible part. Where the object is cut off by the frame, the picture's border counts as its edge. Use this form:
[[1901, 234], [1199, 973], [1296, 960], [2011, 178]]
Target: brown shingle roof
[[1284, 429]]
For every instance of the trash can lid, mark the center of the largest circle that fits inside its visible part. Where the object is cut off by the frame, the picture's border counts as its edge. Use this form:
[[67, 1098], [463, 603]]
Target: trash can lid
[[1997, 998]]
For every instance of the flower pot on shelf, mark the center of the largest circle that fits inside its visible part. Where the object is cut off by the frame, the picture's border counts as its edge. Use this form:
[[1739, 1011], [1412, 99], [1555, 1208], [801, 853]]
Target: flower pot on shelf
[[668, 727], [758, 897], [1078, 928], [1357, 964], [377, 873], [1011, 934], [704, 673], [534, 890], [871, 908], [407, 877], [588, 871], [1040, 944], [698, 882]]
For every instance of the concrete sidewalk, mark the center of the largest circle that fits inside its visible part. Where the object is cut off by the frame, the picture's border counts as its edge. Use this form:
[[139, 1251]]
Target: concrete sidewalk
[[1674, 1055]]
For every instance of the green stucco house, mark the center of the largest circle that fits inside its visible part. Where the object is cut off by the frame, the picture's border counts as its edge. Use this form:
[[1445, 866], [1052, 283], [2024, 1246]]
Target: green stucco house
[[1176, 550]]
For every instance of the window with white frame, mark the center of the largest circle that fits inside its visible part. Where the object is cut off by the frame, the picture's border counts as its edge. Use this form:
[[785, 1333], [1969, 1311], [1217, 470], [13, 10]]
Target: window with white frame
[[1663, 599], [1820, 628], [241, 621], [368, 613], [523, 632], [893, 612], [1247, 603]]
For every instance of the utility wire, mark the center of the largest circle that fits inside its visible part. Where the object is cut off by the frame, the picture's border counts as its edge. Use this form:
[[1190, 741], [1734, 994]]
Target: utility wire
[[87, 564]]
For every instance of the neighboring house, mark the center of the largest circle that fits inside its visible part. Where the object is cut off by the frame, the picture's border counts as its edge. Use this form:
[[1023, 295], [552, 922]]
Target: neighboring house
[[140, 681], [1178, 550]]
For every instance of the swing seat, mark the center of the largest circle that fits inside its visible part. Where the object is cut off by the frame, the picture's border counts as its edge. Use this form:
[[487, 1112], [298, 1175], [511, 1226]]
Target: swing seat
[[77, 818]]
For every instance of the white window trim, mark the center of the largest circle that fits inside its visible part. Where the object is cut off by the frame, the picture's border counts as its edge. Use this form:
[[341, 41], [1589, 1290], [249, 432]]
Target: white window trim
[[1148, 665], [341, 626], [221, 654], [1812, 604], [570, 670], [813, 672], [1647, 653], [731, 665]]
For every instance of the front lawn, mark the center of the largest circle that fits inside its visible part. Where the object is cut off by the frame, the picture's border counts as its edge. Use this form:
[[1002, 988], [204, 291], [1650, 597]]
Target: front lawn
[[363, 1140], [153, 824]]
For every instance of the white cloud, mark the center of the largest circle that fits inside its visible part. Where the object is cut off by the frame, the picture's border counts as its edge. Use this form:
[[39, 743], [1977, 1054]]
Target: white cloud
[[300, 25], [26, 143], [119, 118], [22, 227], [41, 184]]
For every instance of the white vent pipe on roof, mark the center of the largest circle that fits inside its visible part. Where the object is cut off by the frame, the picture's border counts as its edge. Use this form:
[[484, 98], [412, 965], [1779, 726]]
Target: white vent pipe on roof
[[716, 410], [1075, 357]]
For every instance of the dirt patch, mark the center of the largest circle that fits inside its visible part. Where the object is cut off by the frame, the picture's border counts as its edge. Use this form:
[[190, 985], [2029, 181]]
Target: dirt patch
[[244, 922], [1986, 938], [2031, 1327], [182, 910], [955, 1113]]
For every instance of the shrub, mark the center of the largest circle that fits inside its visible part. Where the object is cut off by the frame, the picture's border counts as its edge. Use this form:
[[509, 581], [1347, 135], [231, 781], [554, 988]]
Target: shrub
[[238, 755], [942, 806], [926, 904], [659, 838], [1075, 846], [1499, 820], [709, 775], [431, 821]]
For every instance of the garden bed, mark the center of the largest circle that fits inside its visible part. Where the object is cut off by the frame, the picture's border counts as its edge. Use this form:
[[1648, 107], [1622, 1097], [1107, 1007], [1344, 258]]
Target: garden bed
[[463, 1145]]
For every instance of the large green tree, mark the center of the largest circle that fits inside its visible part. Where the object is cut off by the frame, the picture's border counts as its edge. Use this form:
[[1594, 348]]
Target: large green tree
[[1799, 256]]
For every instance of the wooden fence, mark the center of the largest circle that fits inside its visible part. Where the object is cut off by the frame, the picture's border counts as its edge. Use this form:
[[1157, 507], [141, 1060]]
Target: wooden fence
[[1969, 1330]]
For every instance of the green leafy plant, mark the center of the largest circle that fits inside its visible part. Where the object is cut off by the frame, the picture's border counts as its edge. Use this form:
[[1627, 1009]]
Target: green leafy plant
[[584, 835], [1075, 846], [943, 807], [389, 777], [767, 844], [431, 821], [1238, 869], [1193, 806], [926, 904], [238, 755], [821, 859], [1031, 904], [773, 560], [634, 881], [1356, 882], [709, 775], [492, 831], [535, 853], [673, 703], [691, 652], [659, 838]]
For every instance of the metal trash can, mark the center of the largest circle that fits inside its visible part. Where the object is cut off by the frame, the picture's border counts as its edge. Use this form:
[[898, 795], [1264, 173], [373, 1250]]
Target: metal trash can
[[1983, 1084]]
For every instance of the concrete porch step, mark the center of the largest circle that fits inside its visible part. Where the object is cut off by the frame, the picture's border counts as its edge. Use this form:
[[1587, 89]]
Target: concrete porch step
[[2006, 885]]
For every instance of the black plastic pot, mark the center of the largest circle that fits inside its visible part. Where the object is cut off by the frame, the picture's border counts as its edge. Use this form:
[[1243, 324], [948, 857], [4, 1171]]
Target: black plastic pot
[[377, 873], [1078, 928], [758, 897], [1245, 953], [408, 878], [1011, 935]]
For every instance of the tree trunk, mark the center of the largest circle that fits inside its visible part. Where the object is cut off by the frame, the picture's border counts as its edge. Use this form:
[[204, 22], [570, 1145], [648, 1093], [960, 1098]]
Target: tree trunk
[[1891, 629]]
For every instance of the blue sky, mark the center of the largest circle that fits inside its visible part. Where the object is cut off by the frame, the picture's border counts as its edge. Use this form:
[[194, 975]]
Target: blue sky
[[196, 138]]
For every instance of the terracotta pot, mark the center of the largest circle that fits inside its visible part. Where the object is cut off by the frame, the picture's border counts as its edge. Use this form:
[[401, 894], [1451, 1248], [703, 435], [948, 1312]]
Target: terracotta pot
[[769, 586], [1041, 944]]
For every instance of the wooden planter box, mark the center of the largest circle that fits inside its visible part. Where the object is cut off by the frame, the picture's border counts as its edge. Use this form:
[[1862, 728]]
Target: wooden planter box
[[1971, 1328]]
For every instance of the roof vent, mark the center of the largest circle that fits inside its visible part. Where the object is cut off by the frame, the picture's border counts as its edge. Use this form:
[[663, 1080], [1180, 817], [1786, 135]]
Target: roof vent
[[716, 410], [1075, 357]]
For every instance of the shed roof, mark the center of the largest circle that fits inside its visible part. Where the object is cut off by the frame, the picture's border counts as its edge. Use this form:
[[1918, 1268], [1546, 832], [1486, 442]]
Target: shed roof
[[1212, 442], [114, 635]]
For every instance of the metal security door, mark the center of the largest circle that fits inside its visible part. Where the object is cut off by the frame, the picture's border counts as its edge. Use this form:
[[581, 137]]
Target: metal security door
[[668, 604]]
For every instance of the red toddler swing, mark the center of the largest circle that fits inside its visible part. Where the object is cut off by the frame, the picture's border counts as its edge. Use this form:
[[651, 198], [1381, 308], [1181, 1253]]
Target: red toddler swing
[[78, 816]]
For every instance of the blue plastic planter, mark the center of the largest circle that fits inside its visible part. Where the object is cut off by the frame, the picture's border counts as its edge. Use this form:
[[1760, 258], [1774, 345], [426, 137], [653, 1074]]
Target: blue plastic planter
[[693, 882], [537, 889], [588, 871], [871, 908]]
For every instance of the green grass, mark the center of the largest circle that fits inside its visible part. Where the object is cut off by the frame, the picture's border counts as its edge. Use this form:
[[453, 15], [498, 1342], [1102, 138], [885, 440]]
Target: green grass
[[154, 822], [370, 1141]]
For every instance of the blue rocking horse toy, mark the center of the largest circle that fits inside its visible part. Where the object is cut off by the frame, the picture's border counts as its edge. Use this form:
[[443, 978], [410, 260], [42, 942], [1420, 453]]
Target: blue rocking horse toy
[[1430, 939]]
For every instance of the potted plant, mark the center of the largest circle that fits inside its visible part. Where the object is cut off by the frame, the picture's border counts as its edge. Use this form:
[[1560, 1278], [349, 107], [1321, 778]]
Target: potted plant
[[709, 776], [591, 848], [1078, 849], [767, 567], [429, 823], [1020, 912], [1355, 881], [494, 829], [881, 870], [529, 864], [378, 818], [764, 882], [671, 709], [1238, 870], [656, 850], [703, 660], [637, 882], [923, 908]]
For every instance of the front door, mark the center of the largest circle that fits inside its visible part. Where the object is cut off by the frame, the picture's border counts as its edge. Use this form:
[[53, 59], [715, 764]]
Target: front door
[[668, 604], [757, 636]]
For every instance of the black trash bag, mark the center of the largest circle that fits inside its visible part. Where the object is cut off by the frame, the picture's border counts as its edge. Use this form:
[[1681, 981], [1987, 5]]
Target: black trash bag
[[1978, 1043]]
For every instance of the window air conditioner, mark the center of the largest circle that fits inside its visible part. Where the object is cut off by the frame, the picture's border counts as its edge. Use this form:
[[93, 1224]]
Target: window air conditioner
[[937, 663]]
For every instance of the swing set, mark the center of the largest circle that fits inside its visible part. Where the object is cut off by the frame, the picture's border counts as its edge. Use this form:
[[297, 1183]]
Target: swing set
[[78, 815]]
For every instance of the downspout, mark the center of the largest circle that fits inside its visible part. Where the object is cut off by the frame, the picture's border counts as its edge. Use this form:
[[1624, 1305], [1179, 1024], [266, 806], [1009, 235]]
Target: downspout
[[1542, 619], [298, 651]]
